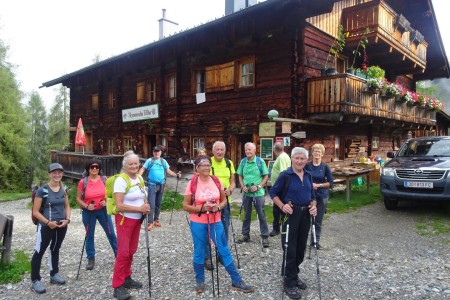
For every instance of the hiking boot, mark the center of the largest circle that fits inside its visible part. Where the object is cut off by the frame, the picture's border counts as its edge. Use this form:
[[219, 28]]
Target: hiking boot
[[301, 284], [131, 283], [209, 265], [200, 287], [274, 233], [157, 224], [38, 287], [293, 292], [243, 239], [242, 287], [121, 293], [150, 227], [58, 279], [90, 264], [265, 242]]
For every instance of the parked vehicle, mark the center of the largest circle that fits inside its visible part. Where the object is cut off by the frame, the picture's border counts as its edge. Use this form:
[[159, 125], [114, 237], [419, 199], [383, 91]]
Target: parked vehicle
[[420, 170]]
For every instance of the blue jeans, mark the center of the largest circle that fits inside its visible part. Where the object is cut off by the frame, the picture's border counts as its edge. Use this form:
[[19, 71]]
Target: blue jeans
[[155, 196], [225, 218], [90, 218], [259, 207], [200, 234]]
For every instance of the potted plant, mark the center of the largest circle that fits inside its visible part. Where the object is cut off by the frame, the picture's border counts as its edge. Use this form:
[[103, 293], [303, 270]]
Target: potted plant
[[375, 72], [375, 84], [335, 48], [363, 41]]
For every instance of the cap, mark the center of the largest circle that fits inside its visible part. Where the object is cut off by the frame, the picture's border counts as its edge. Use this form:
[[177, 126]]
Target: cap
[[55, 166], [157, 148]]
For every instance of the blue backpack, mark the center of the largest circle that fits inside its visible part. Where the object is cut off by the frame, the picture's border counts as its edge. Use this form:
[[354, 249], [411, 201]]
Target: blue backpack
[[258, 163]]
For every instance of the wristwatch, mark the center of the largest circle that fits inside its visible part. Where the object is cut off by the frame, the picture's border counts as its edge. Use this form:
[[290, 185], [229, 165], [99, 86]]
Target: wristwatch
[[68, 221], [258, 186]]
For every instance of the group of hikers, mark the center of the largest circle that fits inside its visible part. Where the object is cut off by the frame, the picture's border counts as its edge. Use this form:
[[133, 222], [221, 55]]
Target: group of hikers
[[299, 190]]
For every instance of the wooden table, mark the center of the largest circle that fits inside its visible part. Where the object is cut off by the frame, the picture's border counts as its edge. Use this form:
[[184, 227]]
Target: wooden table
[[185, 165], [348, 176]]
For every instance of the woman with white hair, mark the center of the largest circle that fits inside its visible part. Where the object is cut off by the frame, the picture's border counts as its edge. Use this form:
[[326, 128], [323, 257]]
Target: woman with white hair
[[293, 193]]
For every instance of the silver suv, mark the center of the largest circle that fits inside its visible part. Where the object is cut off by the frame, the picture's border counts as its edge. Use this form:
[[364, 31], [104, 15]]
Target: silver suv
[[419, 171]]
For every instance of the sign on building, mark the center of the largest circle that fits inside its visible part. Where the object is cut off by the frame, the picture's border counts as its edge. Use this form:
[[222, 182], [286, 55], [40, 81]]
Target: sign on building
[[140, 113]]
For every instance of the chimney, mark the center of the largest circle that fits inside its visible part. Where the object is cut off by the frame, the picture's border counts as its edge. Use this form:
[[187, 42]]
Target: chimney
[[232, 6], [166, 27]]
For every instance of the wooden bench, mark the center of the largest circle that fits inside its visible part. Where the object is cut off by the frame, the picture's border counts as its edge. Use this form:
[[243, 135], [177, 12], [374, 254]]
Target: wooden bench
[[6, 230]]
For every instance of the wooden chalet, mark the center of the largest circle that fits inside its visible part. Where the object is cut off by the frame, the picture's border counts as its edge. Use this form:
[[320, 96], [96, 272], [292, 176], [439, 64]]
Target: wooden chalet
[[266, 57]]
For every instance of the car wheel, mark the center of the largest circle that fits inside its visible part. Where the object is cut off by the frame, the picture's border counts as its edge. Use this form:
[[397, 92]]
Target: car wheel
[[390, 204]]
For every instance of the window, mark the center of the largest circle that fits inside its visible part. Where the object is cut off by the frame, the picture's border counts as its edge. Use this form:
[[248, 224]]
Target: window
[[172, 86], [127, 143], [111, 146], [246, 74], [151, 91], [111, 100], [94, 102], [140, 92], [200, 82], [197, 143], [337, 142]]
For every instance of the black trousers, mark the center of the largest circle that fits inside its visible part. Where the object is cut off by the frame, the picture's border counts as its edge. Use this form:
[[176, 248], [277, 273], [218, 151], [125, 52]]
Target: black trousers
[[276, 218], [44, 237], [299, 223]]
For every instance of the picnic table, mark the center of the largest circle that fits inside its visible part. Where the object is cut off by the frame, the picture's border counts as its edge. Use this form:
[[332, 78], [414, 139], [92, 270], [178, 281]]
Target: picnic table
[[346, 174]]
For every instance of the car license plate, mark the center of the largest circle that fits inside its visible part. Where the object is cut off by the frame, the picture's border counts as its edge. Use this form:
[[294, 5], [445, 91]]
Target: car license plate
[[418, 184]]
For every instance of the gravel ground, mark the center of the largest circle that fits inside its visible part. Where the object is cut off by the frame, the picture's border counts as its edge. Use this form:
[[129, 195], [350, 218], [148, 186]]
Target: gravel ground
[[370, 253]]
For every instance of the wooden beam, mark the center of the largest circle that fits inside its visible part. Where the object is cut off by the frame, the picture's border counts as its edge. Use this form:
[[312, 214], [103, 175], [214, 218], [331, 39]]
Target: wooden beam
[[300, 121]]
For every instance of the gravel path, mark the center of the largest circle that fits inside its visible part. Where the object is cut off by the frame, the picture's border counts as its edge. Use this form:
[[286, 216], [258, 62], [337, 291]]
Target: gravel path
[[368, 254]]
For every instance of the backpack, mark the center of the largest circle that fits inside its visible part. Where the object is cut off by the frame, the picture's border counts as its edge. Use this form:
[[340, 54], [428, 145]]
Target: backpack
[[85, 183], [227, 162], [163, 163], [44, 200], [258, 163], [194, 182], [111, 208]]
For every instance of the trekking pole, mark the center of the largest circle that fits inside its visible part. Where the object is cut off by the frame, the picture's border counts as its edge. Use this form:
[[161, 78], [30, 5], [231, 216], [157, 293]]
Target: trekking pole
[[257, 218], [234, 235], [147, 244], [242, 205], [210, 253], [84, 243], [173, 201], [313, 232], [217, 257], [284, 259]]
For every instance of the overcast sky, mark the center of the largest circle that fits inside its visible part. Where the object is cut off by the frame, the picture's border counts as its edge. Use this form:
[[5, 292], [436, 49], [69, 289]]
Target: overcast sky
[[50, 38]]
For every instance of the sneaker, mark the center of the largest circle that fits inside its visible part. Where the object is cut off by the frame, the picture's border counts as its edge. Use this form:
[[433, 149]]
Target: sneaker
[[242, 287], [157, 224], [121, 293], [38, 287], [274, 233], [90, 264], [301, 284], [293, 292], [265, 242], [209, 265], [131, 283], [58, 279], [150, 227], [244, 239], [200, 287]]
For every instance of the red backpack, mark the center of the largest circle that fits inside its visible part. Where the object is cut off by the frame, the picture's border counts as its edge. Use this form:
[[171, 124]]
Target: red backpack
[[194, 182]]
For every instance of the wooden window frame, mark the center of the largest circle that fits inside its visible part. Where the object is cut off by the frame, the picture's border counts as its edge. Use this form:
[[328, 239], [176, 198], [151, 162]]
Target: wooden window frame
[[127, 143], [247, 77], [111, 146], [171, 86], [199, 81], [140, 92], [150, 91], [112, 101], [94, 102], [197, 143]]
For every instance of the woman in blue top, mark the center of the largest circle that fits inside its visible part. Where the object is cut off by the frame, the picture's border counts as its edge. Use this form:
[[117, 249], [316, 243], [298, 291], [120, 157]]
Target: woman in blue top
[[52, 227], [322, 181], [293, 193]]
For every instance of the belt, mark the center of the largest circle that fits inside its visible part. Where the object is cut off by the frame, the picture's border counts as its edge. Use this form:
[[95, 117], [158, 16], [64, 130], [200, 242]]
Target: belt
[[155, 183], [302, 207]]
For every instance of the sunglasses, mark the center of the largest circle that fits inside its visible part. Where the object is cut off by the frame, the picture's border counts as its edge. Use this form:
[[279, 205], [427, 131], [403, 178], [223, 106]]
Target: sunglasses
[[94, 167]]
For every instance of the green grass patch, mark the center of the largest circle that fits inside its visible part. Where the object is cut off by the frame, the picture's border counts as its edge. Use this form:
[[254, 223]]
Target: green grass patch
[[13, 272], [168, 201], [434, 223], [358, 198], [14, 196]]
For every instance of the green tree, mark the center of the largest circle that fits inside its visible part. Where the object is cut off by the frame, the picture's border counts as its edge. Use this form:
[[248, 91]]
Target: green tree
[[37, 124], [58, 121], [13, 133]]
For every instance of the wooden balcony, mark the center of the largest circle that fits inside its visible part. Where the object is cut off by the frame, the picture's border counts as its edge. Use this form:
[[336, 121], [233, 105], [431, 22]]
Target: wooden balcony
[[390, 34], [345, 97]]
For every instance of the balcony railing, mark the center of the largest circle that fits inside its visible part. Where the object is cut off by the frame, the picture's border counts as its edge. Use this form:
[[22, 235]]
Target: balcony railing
[[386, 27], [345, 94]]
